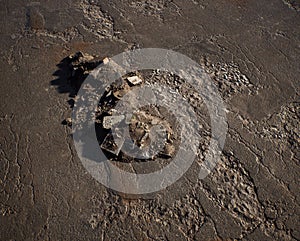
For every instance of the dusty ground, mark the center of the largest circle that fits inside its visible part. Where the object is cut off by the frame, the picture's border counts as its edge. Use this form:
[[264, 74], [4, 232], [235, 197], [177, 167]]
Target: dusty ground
[[46, 194]]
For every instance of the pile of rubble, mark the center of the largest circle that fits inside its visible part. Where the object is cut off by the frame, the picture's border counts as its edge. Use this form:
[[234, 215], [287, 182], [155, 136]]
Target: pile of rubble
[[112, 125], [141, 124], [80, 65]]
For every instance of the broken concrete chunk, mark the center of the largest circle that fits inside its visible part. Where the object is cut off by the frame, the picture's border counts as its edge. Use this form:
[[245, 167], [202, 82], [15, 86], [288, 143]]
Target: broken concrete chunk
[[110, 121], [120, 92], [81, 57], [169, 150], [105, 60], [112, 145], [134, 80], [147, 131], [86, 57]]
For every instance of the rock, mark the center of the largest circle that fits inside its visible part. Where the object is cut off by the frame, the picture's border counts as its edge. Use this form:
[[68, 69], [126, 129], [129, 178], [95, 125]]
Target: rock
[[169, 150], [110, 121], [106, 60], [134, 80], [112, 145], [121, 91]]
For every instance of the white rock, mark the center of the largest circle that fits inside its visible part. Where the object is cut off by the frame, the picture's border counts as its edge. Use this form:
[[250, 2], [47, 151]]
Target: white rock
[[135, 80], [109, 121]]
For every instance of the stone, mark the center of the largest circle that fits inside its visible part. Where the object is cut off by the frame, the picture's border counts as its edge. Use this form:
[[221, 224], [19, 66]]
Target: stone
[[112, 145], [169, 150], [110, 121], [134, 80], [106, 60]]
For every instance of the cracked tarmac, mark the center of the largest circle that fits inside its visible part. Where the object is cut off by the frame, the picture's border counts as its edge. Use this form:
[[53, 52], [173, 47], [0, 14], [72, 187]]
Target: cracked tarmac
[[251, 50]]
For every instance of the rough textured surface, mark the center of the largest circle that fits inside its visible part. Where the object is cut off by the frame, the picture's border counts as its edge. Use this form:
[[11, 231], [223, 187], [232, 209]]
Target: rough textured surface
[[250, 49]]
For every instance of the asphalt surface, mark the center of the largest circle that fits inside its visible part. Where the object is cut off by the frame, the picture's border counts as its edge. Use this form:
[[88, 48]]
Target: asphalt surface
[[251, 49]]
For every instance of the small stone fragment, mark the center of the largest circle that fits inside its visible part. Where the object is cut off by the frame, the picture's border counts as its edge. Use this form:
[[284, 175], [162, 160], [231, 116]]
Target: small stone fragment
[[169, 150], [134, 80], [81, 57], [109, 121], [106, 60], [119, 93], [112, 145]]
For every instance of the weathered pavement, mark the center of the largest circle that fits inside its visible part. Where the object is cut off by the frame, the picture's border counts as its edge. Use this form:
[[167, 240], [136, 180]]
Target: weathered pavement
[[46, 194]]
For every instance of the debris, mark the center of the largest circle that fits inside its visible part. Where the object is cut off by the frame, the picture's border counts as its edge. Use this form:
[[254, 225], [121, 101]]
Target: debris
[[81, 57], [119, 94], [148, 130], [80, 65], [121, 91], [109, 93], [110, 121], [112, 111], [144, 134], [113, 145], [134, 80], [105, 60], [169, 150]]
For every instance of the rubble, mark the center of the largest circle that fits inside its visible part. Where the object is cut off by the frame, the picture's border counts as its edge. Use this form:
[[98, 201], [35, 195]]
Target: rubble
[[143, 129], [80, 57], [134, 80], [106, 60], [169, 150], [110, 121], [81, 64], [112, 144], [120, 92], [228, 77]]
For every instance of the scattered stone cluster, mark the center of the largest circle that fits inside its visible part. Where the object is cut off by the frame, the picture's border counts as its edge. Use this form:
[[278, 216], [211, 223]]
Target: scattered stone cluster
[[228, 78], [96, 21], [141, 124]]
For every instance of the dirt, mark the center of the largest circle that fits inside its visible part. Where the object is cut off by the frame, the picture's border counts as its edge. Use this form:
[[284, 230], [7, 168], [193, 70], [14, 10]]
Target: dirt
[[251, 51]]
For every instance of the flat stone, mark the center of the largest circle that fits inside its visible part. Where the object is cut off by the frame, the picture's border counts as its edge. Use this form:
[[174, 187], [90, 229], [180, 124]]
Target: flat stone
[[134, 80], [110, 121]]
